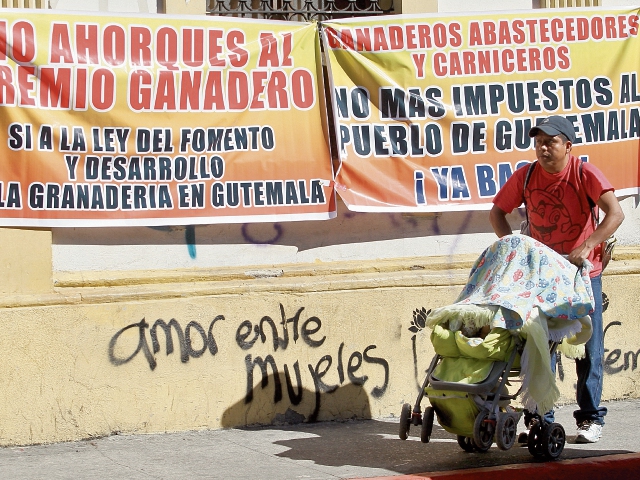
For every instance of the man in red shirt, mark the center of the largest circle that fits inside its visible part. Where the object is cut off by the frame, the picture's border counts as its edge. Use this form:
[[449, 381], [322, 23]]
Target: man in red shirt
[[558, 198]]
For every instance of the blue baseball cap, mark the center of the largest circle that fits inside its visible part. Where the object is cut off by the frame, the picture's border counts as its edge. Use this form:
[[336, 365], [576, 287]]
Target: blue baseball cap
[[555, 125]]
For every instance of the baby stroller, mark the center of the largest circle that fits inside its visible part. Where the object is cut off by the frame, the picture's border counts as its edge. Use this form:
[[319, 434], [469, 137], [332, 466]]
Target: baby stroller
[[521, 303]]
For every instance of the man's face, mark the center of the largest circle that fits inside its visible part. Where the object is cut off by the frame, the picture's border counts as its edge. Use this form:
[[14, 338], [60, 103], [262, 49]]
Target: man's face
[[552, 151]]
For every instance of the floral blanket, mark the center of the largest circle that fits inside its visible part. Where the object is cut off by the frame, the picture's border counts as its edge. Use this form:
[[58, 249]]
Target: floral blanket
[[519, 273]]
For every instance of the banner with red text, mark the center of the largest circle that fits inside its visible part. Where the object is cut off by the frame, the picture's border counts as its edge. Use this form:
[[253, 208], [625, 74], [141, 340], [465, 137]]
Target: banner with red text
[[433, 112], [159, 120]]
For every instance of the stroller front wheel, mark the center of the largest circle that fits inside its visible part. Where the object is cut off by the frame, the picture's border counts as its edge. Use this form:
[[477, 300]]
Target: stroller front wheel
[[483, 431], [534, 440], [405, 421], [553, 440], [506, 429]]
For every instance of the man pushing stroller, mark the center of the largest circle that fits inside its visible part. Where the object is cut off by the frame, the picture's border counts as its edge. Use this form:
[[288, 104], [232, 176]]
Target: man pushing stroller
[[562, 196]]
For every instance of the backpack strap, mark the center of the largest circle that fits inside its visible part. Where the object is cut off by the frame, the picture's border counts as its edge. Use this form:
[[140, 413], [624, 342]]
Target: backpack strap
[[532, 165], [609, 243], [592, 204]]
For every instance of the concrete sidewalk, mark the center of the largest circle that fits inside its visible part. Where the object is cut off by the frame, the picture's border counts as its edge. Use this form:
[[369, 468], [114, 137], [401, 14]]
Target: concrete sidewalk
[[354, 449]]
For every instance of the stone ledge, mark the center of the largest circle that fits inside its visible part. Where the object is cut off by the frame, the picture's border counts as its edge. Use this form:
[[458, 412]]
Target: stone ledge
[[626, 260], [297, 285], [123, 278], [416, 272]]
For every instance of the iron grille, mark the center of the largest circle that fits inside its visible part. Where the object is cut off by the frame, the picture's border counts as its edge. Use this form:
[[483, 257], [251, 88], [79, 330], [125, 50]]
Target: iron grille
[[569, 3], [299, 10], [25, 4]]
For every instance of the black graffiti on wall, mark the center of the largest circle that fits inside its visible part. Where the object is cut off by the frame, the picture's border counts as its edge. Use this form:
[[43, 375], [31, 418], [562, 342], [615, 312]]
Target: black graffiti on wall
[[327, 374], [185, 340], [615, 361], [308, 331]]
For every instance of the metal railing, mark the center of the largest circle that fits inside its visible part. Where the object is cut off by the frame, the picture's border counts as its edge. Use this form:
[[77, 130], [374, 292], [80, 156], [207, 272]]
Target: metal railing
[[25, 4], [299, 10], [569, 3]]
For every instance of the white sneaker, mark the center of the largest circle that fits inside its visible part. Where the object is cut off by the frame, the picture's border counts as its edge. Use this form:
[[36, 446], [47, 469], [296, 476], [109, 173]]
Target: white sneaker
[[588, 432]]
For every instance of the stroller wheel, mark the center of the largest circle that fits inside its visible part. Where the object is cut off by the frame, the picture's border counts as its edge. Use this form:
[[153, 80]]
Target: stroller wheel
[[552, 440], [506, 429], [466, 443], [427, 425], [534, 442], [405, 421], [483, 431]]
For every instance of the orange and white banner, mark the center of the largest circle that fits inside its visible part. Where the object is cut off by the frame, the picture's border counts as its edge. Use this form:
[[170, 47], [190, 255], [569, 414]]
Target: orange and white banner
[[433, 112], [157, 120]]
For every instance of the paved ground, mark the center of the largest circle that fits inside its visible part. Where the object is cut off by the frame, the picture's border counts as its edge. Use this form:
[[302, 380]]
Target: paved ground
[[309, 451]]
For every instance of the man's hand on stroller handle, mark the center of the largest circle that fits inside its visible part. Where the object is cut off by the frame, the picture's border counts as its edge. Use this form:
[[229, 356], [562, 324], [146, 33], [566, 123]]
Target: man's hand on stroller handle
[[579, 254], [586, 264]]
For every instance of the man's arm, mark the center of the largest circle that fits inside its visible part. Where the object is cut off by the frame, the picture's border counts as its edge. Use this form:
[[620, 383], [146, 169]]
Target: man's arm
[[612, 220], [498, 219]]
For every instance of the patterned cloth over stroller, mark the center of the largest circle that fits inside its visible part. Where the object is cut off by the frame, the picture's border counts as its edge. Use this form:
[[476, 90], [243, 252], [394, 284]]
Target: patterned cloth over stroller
[[522, 301]]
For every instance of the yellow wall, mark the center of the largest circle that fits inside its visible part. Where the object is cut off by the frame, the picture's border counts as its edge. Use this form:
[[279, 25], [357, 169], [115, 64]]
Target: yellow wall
[[71, 369], [415, 6], [185, 7], [25, 261]]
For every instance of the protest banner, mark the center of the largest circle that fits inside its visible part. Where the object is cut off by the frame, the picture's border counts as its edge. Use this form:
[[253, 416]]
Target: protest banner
[[159, 120], [432, 113]]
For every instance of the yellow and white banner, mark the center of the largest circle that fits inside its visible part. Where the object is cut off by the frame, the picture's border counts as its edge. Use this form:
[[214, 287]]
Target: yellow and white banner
[[433, 112], [157, 120]]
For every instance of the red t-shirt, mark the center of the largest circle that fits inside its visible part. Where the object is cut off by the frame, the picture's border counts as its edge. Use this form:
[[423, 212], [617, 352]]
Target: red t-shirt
[[558, 205]]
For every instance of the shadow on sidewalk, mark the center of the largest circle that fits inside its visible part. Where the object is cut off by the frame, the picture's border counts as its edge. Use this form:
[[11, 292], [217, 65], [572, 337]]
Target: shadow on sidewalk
[[375, 444], [272, 403], [352, 439]]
